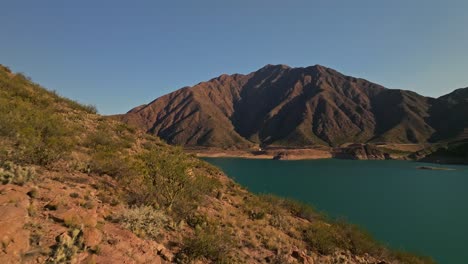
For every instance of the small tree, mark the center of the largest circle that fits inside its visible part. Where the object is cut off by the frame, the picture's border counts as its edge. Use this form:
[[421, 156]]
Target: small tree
[[168, 173]]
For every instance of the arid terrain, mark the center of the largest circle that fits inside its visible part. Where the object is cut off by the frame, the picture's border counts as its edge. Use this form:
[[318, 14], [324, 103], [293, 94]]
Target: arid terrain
[[77, 187]]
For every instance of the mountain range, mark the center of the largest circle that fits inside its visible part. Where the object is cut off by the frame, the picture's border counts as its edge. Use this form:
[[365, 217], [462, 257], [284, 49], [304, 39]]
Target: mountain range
[[285, 106]]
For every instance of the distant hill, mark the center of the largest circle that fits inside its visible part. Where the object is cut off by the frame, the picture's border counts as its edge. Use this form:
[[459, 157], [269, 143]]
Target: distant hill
[[280, 105], [449, 115]]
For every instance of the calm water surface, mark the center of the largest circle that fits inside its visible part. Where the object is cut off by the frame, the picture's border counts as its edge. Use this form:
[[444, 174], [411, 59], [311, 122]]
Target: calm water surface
[[422, 211]]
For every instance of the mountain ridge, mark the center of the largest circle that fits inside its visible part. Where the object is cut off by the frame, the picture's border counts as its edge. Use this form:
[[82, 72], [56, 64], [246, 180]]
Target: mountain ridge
[[281, 105]]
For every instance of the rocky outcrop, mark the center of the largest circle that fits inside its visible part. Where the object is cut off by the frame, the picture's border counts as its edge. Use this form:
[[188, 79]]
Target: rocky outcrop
[[360, 152], [454, 152]]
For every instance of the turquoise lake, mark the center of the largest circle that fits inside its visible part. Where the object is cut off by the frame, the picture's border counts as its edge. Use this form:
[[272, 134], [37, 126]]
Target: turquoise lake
[[422, 211]]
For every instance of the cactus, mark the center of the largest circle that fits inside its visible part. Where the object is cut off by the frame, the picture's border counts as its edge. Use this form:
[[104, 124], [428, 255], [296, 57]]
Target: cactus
[[68, 245], [16, 174], [145, 221]]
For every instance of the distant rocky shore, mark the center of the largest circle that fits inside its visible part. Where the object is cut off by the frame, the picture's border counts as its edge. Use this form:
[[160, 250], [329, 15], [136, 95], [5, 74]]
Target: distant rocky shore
[[268, 153], [350, 151], [353, 151]]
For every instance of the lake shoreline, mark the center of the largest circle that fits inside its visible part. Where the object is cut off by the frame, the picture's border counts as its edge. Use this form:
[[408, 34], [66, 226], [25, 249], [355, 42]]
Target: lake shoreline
[[352, 152], [267, 154]]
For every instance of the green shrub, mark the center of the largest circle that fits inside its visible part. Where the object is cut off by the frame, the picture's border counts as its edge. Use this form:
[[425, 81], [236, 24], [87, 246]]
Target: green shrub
[[170, 181], [91, 109], [322, 238], [169, 174], [256, 214], [360, 242], [144, 221], [112, 163], [208, 168], [297, 208], [122, 128], [208, 244], [257, 208], [100, 139], [301, 210], [279, 221], [29, 121], [197, 220], [34, 120], [326, 238], [407, 258], [40, 137], [357, 240], [109, 152], [105, 139]]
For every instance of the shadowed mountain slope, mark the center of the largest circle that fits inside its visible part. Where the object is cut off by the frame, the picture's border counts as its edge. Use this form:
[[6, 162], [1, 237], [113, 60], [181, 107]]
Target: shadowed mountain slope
[[449, 115], [280, 105]]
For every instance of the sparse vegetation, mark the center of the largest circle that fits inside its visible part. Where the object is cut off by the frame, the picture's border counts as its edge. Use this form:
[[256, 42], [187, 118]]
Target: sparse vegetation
[[326, 238], [30, 121], [209, 244], [144, 221], [169, 180], [169, 175], [297, 208], [407, 258]]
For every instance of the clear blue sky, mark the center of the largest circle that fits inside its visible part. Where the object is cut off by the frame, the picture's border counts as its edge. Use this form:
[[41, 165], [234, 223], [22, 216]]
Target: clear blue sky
[[120, 54]]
